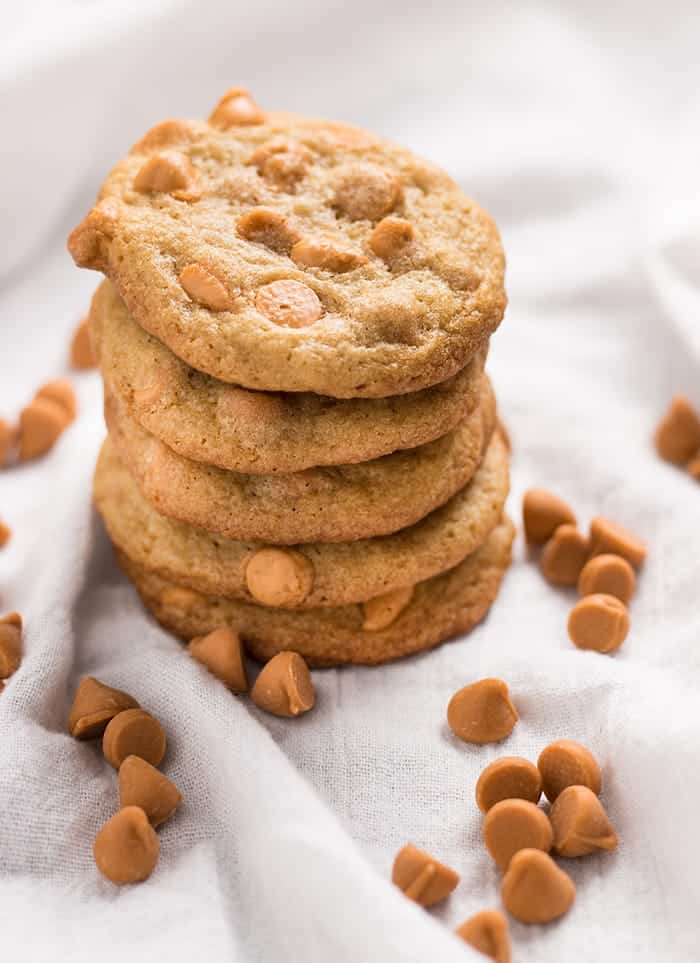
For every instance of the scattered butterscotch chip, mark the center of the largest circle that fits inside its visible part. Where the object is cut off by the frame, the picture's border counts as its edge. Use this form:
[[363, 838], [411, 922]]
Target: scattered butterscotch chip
[[609, 538], [140, 784], [5, 534], [82, 357], [10, 644], [367, 192], [564, 556], [543, 513], [693, 468], [534, 889], [391, 237], [62, 392], [567, 763], [580, 824], [321, 253], [423, 879], [236, 108], [169, 172], [599, 622], [383, 610], [261, 225], [279, 576], [203, 287], [126, 848], [487, 932], [508, 778], [677, 436], [221, 653], [41, 423], [289, 303], [94, 706], [515, 824], [133, 732], [284, 686], [608, 575], [8, 441], [482, 712]]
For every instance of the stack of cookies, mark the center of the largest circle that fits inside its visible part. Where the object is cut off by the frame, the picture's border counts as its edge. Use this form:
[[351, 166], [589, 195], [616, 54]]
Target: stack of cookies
[[302, 440]]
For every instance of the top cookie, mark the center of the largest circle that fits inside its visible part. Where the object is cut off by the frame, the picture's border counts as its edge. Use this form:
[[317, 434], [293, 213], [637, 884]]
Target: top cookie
[[289, 254]]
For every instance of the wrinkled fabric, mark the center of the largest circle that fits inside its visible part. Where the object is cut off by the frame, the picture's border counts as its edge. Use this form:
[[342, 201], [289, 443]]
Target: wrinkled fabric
[[576, 126]]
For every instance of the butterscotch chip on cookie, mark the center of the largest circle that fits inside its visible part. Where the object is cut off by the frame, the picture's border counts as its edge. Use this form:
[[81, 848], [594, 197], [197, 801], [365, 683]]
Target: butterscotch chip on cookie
[[221, 653], [284, 686], [126, 848], [440, 608], [140, 784], [82, 356], [94, 706], [335, 573], [352, 267], [252, 431], [422, 878], [10, 644], [382, 610], [134, 732]]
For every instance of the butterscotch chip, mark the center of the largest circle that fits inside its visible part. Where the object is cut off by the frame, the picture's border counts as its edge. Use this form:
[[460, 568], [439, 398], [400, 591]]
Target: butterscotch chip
[[279, 576], [140, 784], [169, 172], [423, 879], [609, 538], [534, 889], [8, 440], [62, 392], [564, 556], [482, 712], [94, 706], [367, 192], [608, 575], [580, 824], [677, 436], [515, 824], [289, 303], [508, 778], [134, 732], [203, 287], [284, 686], [5, 534], [282, 164], [383, 610], [41, 424], [236, 108], [221, 653], [89, 242], [10, 644], [126, 848], [269, 228], [391, 237], [543, 513], [567, 763], [82, 356], [321, 253], [599, 622], [487, 932]]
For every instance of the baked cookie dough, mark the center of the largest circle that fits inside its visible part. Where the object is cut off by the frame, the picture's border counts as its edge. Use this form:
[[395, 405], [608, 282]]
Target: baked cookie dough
[[338, 504], [284, 253], [207, 420], [310, 575], [438, 609]]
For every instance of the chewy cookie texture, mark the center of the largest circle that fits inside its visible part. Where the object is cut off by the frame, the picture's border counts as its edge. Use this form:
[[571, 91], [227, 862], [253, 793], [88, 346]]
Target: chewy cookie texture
[[305, 454]]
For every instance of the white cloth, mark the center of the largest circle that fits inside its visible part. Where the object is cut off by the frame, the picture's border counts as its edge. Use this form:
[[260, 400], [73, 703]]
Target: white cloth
[[576, 125]]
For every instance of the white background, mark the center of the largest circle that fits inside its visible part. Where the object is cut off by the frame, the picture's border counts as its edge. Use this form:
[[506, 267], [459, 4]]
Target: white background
[[576, 125]]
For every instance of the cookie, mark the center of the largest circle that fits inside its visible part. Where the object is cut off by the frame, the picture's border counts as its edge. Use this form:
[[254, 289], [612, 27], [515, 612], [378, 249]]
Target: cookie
[[250, 431], [336, 504], [338, 573], [438, 609], [295, 254]]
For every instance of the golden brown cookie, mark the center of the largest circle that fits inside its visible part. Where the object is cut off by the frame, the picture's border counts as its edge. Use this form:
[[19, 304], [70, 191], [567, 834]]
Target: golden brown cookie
[[251, 431], [338, 573], [334, 504], [439, 609], [295, 254]]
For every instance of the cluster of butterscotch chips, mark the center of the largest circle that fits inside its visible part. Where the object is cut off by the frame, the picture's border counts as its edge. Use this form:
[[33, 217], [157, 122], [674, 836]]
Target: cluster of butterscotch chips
[[677, 436], [126, 849], [602, 565], [518, 833]]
